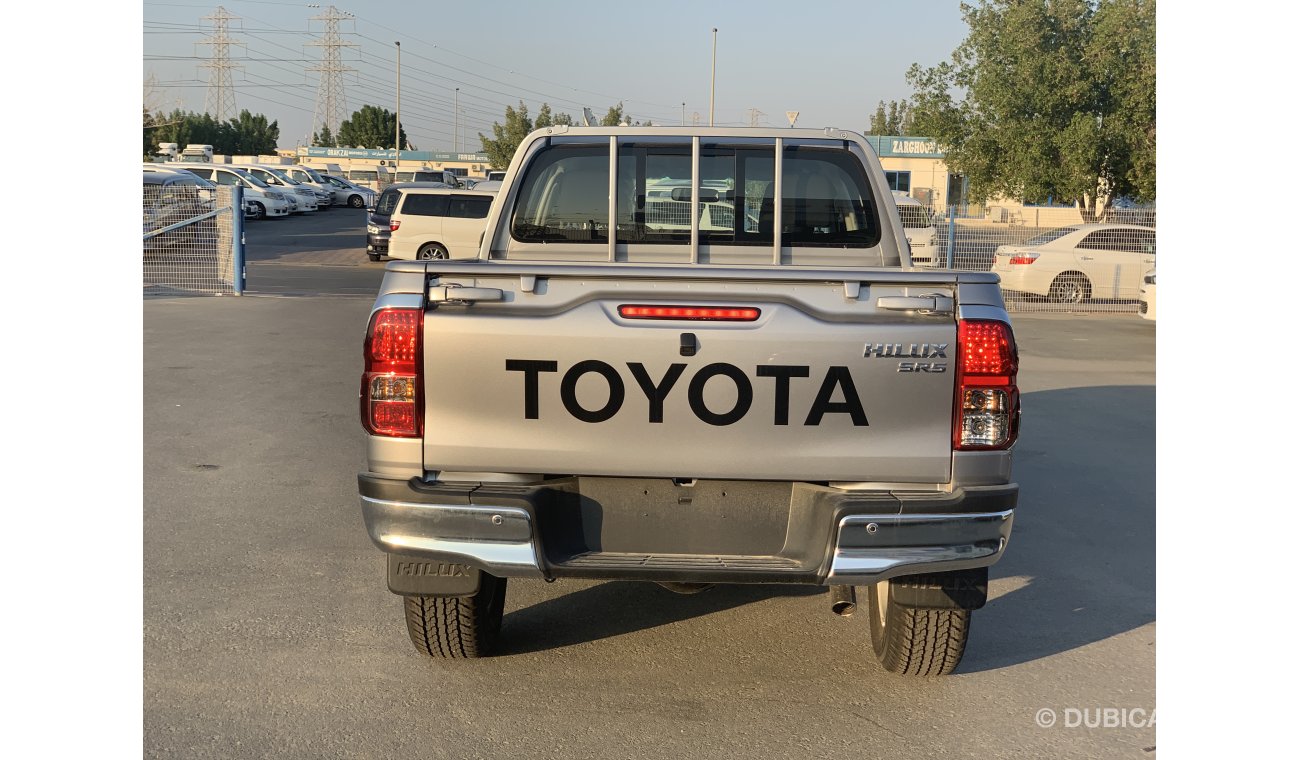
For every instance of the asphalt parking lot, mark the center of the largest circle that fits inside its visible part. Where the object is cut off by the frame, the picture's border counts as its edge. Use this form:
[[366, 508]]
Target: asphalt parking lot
[[269, 632]]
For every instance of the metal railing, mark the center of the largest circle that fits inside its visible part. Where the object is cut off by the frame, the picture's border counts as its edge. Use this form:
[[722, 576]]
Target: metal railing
[[1049, 258], [193, 240]]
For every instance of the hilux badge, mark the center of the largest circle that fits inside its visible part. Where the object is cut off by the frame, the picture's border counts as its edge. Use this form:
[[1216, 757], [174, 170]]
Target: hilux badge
[[910, 351]]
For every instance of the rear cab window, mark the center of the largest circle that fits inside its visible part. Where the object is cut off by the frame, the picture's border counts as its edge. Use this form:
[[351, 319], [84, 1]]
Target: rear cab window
[[827, 200]]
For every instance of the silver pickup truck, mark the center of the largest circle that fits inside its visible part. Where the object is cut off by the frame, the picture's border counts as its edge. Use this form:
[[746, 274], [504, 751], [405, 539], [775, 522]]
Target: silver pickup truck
[[655, 371]]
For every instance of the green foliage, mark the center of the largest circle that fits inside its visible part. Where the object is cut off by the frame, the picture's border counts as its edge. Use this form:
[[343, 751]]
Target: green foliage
[[185, 128], [500, 148], [247, 134], [150, 134], [896, 119], [1059, 101], [614, 116], [507, 137], [324, 138], [370, 126], [544, 117]]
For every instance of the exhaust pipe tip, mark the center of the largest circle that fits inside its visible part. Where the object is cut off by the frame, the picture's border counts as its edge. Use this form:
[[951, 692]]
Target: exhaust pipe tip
[[844, 601]]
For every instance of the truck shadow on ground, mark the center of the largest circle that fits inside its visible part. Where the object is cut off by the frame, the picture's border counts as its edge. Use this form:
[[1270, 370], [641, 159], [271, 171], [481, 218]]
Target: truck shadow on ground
[[616, 608], [1080, 567]]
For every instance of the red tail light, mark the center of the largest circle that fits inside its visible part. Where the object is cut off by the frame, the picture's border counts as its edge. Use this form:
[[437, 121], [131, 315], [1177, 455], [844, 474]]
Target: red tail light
[[987, 406], [723, 314], [391, 393], [1024, 258], [393, 224]]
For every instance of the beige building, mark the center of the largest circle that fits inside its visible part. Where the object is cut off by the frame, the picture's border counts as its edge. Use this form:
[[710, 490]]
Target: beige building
[[915, 166]]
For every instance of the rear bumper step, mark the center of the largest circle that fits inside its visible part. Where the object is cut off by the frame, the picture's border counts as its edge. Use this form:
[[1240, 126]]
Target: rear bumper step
[[580, 529]]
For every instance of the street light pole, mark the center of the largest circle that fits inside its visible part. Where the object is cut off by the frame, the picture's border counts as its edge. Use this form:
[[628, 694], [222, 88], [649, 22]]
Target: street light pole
[[456, 136], [397, 132], [713, 74], [683, 113]]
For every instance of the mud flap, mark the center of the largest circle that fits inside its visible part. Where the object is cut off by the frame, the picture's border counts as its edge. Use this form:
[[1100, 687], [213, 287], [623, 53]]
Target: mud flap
[[957, 590], [412, 576]]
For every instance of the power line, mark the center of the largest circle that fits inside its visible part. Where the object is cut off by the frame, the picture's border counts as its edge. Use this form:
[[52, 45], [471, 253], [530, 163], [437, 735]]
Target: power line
[[511, 71], [475, 106]]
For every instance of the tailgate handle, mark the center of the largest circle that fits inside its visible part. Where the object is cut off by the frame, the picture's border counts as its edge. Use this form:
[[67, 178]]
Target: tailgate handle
[[458, 293], [930, 303]]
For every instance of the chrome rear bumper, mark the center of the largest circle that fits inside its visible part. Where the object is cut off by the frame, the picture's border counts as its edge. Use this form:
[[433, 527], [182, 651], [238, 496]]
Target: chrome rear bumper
[[498, 540], [858, 549], [873, 548]]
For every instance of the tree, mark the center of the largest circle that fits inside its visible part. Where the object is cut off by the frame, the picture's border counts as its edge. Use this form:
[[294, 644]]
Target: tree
[[544, 118], [370, 126], [614, 116], [895, 120], [324, 138], [506, 137], [150, 134], [248, 135], [1059, 101], [501, 147], [185, 128]]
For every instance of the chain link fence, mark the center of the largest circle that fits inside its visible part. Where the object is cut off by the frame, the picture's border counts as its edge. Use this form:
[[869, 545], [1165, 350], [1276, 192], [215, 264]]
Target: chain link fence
[[1049, 258], [193, 240]]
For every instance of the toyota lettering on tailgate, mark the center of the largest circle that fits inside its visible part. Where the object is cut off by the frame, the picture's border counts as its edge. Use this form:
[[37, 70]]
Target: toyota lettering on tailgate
[[836, 383]]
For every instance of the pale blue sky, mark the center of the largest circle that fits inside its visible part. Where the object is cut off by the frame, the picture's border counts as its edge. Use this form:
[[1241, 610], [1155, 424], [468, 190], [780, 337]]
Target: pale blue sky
[[831, 61]]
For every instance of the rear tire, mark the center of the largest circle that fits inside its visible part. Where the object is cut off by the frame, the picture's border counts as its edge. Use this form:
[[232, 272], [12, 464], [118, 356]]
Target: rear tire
[[431, 251], [458, 627], [1069, 288], [912, 641]]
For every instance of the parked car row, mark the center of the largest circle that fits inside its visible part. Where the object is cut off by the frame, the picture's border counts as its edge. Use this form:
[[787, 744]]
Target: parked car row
[[428, 220], [273, 191], [171, 198]]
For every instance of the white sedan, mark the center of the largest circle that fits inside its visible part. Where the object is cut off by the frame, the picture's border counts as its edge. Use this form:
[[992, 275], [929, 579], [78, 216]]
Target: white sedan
[[1147, 296], [1079, 263]]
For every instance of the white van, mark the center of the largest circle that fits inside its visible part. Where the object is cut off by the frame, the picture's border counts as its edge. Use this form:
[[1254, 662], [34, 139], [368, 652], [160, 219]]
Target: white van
[[260, 199], [313, 179], [402, 174], [374, 177], [918, 226], [438, 223], [308, 198]]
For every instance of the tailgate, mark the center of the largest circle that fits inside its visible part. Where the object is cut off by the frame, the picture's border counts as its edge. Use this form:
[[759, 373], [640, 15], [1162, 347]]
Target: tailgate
[[820, 386]]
